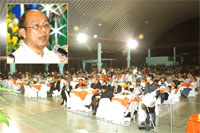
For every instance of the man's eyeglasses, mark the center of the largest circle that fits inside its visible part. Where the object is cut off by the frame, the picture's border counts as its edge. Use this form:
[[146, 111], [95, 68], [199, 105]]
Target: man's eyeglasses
[[39, 27]]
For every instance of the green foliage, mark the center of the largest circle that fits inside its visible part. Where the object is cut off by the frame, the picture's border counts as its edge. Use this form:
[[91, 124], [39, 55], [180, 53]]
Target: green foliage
[[3, 116]]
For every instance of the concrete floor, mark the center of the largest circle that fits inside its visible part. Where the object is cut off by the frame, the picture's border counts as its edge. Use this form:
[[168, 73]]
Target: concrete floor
[[37, 115]]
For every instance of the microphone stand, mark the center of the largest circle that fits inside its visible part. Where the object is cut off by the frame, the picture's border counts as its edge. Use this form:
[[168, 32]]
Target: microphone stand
[[171, 114], [151, 118]]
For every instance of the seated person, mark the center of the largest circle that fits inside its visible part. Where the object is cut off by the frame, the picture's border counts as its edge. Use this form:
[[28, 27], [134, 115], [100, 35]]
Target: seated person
[[105, 83], [129, 87], [193, 86], [55, 85], [105, 93], [180, 77], [163, 82], [188, 79], [116, 88], [96, 84], [173, 77], [175, 86], [164, 96], [80, 84], [66, 88]]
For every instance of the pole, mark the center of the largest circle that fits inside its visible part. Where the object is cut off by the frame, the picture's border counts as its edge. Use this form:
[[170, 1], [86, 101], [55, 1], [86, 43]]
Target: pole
[[83, 63], [149, 52], [128, 57], [171, 114], [99, 57], [174, 56], [61, 66], [47, 67], [12, 68]]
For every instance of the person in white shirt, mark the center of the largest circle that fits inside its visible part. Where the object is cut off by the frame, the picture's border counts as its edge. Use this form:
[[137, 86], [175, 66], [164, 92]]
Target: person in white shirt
[[34, 27], [193, 86]]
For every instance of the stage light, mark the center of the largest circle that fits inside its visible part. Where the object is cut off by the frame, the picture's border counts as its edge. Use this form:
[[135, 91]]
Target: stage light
[[82, 38], [132, 44], [95, 36], [76, 28], [141, 36]]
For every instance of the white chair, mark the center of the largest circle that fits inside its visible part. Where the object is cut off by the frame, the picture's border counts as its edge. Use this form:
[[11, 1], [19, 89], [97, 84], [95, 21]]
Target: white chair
[[43, 91], [104, 108], [29, 92], [192, 93], [76, 103], [62, 83], [56, 93], [88, 99], [173, 98], [116, 114], [16, 88], [32, 92], [26, 90], [10, 84], [69, 101], [73, 84]]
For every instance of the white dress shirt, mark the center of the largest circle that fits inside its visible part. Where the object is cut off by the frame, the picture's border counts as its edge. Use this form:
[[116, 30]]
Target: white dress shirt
[[25, 55]]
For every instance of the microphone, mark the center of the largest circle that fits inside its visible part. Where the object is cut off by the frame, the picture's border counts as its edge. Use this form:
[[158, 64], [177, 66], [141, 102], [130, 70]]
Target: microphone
[[11, 58], [60, 50]]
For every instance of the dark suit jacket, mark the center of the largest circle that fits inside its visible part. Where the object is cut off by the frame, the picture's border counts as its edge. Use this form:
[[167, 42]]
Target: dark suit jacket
[[107, 94], [119, 89], [63, 92], [96, 86], [131, 89], [108, 87], [53, 87], [150, 88], [70, 88]]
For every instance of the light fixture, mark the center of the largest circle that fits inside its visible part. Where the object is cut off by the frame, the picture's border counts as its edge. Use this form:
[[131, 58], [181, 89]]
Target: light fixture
[[141, 36], [82, 38], [76, 28], [132, 44], [95, 36]]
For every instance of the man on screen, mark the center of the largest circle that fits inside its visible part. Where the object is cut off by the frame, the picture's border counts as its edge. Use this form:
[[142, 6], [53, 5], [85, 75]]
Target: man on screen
[[34, 28]]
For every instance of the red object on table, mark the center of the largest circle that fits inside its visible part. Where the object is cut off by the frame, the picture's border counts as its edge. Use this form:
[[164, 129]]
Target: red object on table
[[48, 85], [125, 100], [193, 124], [185, 84], [161, 90], [20, 83], [14, 81], [38, 87], [82, 94]]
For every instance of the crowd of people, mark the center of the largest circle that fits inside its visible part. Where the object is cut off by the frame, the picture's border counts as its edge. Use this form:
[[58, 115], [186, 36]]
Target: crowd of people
[[108, 83]]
